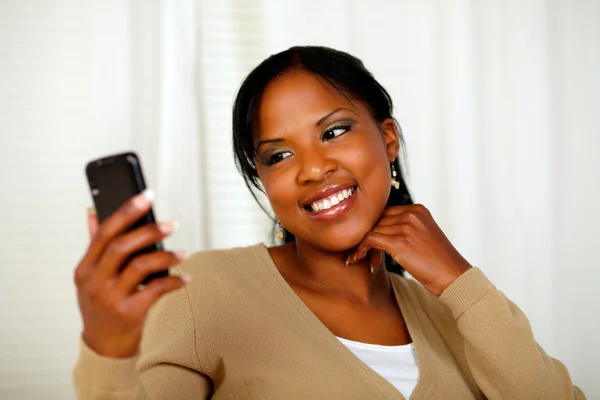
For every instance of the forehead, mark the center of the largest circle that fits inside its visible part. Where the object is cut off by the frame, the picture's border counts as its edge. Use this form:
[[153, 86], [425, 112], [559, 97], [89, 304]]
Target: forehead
[[295, 99]]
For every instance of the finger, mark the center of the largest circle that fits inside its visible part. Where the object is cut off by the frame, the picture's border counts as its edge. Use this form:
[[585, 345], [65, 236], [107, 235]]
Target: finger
[[363, 249], [120, 250], [397, 210], [401, 229], [128, 214], [395, 216], [416, 215], [390, 220], [142, 300], [92, 220], [375, 258], [141, 266], [373, 240], [83, 270]]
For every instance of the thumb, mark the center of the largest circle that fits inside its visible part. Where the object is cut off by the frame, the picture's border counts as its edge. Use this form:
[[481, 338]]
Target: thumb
[[92, 219]]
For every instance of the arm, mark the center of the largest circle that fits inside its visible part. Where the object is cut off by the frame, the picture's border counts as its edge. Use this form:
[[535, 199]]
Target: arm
[[115, 313], [99, 377], [168, 367], [502, 354], [504, 359]]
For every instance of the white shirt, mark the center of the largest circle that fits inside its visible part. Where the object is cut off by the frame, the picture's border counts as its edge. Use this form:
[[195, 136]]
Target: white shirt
[[397, 364]]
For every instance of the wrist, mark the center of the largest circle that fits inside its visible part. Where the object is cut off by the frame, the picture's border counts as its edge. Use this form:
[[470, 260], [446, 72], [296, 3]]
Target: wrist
[[448, 278], [107, 349]]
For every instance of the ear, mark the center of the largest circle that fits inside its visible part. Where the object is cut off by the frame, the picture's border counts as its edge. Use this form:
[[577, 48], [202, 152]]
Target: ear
[[391, 140]]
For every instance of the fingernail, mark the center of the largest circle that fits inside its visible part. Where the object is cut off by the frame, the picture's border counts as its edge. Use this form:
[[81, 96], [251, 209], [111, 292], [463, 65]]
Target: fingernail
[[166, 228], [91, 211], [186, 277], [148, 194], [181, 254], [144, 199], [348, 259]]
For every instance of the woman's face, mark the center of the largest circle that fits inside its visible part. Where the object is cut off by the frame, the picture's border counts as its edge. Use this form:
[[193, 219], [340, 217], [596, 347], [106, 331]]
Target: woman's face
[[323, 160]]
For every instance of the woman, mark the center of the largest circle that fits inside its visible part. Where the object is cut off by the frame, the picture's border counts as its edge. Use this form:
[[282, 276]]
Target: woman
[[326, 315]]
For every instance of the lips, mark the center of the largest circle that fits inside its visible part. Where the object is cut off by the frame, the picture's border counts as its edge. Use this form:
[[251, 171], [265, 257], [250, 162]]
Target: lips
[[325, 193], [331, 203]]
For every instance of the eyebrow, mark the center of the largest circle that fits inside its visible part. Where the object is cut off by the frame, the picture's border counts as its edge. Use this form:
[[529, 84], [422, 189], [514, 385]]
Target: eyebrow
[[324, 118], [279, 140], [319, 123]]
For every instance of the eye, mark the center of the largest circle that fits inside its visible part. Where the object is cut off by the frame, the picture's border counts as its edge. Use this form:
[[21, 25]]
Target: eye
[[277, 157], [335, 131]]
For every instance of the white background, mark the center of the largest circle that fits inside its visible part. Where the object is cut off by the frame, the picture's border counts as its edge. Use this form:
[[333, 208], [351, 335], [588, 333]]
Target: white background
[[499, 102]]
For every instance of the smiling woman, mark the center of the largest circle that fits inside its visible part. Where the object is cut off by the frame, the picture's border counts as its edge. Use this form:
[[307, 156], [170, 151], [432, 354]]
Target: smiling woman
[[324, 315], [292, 90]]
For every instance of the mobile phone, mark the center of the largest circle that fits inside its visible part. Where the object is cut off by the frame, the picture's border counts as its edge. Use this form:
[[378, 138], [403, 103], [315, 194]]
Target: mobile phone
[[113, 180]]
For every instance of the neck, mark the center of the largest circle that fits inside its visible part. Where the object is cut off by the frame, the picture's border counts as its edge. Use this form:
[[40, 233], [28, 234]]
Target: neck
[[326, 272]]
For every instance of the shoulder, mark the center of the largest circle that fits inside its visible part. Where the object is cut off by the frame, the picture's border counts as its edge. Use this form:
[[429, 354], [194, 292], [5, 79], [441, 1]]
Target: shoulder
[[221, 263], [213, 273], [411, 288], [222, 279], [222, 294]]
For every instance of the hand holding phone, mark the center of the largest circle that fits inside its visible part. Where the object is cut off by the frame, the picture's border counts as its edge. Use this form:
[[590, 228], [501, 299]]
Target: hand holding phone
[[113, 180], [122, 254]]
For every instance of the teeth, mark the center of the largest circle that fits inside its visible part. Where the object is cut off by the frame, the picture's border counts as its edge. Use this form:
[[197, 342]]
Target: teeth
[[331, 201]]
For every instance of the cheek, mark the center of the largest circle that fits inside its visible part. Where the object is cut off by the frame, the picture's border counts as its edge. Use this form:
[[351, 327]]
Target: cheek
[[280, 190], [370, 162], [376, 185], [372, 171]]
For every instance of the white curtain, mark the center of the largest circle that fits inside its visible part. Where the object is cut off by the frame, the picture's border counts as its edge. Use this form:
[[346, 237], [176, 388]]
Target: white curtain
[[498, 102], [190, 57]]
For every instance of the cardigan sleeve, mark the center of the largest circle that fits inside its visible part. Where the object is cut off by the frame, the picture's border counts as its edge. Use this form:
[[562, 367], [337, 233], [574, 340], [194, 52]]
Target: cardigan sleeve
[[168, 366], [499, 346]]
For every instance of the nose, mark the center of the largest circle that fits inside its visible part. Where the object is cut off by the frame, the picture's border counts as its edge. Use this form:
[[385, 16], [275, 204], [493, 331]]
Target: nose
[[315, 166]]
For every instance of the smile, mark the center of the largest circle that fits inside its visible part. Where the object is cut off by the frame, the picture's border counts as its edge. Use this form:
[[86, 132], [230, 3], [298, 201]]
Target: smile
[[331, 201], [332, 204]]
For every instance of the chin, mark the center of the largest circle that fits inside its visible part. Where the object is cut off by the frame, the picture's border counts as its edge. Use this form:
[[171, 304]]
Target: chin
[[340, 234], [337, 240]]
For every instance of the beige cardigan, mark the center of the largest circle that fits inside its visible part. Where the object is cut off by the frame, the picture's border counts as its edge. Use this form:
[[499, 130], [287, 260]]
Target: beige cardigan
[[239, 331]]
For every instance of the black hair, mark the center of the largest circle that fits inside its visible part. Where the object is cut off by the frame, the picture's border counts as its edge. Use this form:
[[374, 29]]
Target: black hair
[[345, 73]]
